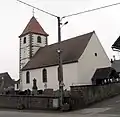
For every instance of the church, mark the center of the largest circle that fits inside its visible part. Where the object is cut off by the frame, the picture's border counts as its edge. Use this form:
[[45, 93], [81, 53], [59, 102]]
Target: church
[[81, 57]]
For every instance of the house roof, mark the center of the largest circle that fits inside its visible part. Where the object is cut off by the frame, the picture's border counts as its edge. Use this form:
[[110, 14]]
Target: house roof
[[47, 56], [102, 73], [8, 81], [116, 44], [33, 27]]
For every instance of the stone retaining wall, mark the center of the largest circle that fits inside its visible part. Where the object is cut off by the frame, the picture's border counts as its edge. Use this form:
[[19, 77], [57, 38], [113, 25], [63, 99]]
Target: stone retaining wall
[[82, 96], [27, 102], [78, 97]]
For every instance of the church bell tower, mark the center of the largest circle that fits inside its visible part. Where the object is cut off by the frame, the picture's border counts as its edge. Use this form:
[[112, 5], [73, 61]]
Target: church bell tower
[[32, 38]]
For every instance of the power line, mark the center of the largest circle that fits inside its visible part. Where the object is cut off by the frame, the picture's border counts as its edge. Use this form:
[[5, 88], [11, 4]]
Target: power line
[[37, 8], [90, 10]]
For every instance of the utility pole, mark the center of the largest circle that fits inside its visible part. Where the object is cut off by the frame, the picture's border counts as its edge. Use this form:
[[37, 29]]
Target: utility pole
[[60, 68]]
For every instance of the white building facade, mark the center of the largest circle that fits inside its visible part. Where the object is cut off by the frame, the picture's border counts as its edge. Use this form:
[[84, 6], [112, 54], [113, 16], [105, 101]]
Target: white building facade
[[94, 57], [69, 74], [77, 71]]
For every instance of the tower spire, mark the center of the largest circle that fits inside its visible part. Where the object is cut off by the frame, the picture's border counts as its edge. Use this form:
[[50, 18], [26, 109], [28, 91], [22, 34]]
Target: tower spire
[[33, 27]]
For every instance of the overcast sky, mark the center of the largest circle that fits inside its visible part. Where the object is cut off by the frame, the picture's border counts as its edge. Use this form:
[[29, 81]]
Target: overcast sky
[[14, 16]]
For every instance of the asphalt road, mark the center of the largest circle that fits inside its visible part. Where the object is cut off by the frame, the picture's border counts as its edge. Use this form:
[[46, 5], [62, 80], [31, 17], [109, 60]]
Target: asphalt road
[[107, 108]]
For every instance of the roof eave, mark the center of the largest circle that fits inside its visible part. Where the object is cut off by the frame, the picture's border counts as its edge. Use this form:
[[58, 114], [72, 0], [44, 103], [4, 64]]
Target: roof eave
[[32, 33], [68, 62], [115, 48]]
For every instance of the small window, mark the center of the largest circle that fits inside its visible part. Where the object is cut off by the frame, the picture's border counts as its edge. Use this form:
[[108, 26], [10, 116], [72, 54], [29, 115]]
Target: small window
[[44, 75], [39, 39], [27, 77], [24, 40], [17, 86], [95, 54]]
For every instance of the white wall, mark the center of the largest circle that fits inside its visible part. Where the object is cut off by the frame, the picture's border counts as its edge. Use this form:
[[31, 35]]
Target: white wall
[[69, 75], [88, 62]]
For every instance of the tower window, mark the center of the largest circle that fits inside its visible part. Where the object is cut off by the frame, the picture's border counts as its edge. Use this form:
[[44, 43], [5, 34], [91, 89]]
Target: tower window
[[44, 75], [39, 39], [27, 77], [24, 40]]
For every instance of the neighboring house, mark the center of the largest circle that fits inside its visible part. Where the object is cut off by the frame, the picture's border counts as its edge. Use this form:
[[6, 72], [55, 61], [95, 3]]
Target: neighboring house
[[6, 82], [116, 63], [81, 56]]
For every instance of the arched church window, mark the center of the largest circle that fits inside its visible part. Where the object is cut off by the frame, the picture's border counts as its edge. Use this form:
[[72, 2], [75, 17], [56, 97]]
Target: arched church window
[[24, 40], [39, 39], [27, 77], [44, 75]]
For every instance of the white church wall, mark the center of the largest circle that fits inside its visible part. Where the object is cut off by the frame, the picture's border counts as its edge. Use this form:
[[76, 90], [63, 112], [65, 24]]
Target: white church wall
[[88, 62], [25, 53], [24, 62], [33, 74], [69, 75]]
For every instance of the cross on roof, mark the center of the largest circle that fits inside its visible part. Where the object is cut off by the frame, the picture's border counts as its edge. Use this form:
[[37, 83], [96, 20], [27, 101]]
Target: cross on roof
[[33, 11]]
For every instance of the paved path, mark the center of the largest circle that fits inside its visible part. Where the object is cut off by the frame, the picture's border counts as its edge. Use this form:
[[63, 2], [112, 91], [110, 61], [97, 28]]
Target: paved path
[[107, 108]]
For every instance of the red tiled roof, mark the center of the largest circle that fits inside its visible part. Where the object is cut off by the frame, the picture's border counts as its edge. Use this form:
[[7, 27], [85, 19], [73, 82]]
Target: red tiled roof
[[33, 27]]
